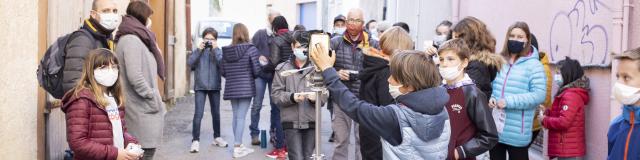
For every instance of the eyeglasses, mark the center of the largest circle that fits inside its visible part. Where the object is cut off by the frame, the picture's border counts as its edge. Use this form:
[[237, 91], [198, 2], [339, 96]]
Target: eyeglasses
[[207, 39], [354, 21]]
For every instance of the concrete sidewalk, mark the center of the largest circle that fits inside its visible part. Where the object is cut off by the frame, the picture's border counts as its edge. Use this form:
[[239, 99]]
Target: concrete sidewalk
[[178, 125]]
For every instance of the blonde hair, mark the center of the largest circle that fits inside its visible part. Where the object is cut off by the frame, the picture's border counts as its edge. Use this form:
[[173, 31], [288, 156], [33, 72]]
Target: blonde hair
[[240, 34], [414, 69], [96, 59], [395, 38]]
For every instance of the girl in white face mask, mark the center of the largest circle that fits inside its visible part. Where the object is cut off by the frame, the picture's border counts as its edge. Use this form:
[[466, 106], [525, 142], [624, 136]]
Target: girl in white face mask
[[624, 132], [470, 116], [97, 101]]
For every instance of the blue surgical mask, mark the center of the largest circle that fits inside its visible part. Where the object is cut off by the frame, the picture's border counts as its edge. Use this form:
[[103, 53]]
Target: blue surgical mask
[[299, 53], [557, 78]]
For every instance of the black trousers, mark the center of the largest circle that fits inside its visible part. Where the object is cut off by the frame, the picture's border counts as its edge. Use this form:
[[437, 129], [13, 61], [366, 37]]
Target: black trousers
[[499, 152], [370, 144]]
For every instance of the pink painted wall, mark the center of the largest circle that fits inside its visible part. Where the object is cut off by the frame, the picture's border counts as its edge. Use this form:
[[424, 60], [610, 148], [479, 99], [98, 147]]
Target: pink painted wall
[[580, 29]]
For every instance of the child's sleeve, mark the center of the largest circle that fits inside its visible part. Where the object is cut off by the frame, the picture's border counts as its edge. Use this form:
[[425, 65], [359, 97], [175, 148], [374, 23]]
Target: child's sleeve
[[280, 95]]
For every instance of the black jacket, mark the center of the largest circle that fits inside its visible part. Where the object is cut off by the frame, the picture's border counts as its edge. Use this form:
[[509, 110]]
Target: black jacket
[[374, 86], [281, 50], [486, 136], [483, 68], [78, 48]]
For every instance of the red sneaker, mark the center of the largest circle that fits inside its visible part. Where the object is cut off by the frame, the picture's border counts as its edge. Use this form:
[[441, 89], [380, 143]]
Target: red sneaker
[[277, 154]]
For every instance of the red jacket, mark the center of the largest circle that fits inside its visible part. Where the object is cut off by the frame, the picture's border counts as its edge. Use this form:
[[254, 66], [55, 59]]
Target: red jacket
[[89, 131], [565, 121]]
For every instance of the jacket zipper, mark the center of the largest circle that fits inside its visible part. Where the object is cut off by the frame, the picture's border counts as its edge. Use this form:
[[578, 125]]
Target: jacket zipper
[[502, 96], [626, 146]]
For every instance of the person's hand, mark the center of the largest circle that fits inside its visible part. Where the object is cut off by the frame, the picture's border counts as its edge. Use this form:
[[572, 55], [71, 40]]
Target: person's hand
[[312, 97], [541, 110], [431, 50], [201, 45], [126, 155], [298, 97], [502, 104], [455, 154], [263, 60], [214, 44], [321, 59], [492, 103], [343, 74]]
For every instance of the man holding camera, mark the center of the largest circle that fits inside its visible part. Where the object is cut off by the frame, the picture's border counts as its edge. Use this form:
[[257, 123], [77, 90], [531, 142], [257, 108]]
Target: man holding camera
[[204, 61], [349, 57]]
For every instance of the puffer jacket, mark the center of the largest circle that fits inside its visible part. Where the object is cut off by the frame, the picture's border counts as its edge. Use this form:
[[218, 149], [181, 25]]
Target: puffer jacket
[[483, 68], [566, 120], [281, 50], [240, 67], [284, 88], [89, 131], [523, 87], [350, 57], [207, 74], [78, 48], [417, 127]]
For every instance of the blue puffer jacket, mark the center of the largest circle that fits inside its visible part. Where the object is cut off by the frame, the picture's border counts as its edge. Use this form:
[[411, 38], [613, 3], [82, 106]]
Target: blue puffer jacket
[[523, 87], [205, 62], [624, 133], [240, 67]]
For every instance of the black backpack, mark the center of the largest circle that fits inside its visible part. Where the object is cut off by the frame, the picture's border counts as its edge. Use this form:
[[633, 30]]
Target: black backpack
[[50, 69]]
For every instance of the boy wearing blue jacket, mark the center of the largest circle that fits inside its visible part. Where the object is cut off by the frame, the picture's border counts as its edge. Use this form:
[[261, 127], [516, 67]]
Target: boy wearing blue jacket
[[624, 134]]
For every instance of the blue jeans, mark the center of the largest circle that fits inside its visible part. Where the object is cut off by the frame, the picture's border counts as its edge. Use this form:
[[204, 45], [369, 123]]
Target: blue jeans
[[240, 108], [214, 102], [256, 106]]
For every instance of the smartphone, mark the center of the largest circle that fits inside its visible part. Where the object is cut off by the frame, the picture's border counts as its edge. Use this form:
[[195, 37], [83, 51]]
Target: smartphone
[[320, 39]]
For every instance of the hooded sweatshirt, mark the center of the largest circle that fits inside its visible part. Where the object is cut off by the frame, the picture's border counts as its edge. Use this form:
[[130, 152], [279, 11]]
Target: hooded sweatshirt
[[240, 67], [416, 127]]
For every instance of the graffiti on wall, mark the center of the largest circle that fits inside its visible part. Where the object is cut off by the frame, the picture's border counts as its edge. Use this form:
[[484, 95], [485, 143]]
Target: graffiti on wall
[[576, 33]]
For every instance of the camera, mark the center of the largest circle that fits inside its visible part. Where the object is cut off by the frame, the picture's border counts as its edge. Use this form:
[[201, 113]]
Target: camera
[[208, 44]]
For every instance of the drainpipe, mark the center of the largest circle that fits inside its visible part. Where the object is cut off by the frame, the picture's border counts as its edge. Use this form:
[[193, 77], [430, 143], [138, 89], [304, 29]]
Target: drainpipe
[[455, 11], [619, 43], [625, 24]]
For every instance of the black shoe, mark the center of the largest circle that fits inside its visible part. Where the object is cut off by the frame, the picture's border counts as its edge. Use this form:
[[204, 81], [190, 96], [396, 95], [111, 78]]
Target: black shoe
[[333, 137], [255, 140]]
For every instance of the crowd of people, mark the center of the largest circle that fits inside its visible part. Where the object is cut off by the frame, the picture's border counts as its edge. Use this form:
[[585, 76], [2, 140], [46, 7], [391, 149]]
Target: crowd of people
[[457, 99]]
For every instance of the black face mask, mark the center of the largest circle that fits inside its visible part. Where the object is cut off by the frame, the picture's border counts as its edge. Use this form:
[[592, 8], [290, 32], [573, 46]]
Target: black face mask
[[515, 47]]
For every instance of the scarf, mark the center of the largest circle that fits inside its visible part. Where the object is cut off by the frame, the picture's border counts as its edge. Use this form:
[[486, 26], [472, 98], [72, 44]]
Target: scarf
[[130, 25], [99, 32]]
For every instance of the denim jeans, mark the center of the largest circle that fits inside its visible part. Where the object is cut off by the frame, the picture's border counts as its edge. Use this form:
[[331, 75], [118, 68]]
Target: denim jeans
[[256, 106], [214, 103], [240, 108]]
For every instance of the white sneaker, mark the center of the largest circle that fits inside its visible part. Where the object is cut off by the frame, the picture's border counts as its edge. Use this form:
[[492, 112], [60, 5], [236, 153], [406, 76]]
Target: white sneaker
[[241, 151], [220, 142], [195, 147], [246, 149]]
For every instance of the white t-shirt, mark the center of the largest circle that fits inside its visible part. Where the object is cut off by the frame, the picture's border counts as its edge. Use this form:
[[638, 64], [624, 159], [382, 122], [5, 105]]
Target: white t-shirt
[[116, 124]]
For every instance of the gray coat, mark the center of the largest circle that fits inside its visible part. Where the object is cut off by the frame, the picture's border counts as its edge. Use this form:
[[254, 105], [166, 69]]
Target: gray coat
[[138, 75], [240, 67], [206, 68], [77, 49], [285, 87], [350, 57]]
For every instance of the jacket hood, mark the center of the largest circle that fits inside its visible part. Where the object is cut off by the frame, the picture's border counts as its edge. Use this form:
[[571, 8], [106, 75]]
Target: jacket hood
[[429, 101], [70, 97], [492, 60], [582, 93], [372, 66], [233, 53], [427, 116]]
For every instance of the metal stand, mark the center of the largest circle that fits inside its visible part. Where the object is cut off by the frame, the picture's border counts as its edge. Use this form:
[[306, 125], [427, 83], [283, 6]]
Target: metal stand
[[318, 87]]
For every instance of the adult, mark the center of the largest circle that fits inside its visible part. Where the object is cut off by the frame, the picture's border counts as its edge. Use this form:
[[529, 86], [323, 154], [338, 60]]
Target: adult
[[142, 64]]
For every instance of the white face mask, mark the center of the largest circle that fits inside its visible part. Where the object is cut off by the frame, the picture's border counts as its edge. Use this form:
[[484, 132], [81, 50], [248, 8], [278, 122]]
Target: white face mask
[[109, 21], [439, 39], [558, 79], [106, 77], [149, 23], [299, 53], [625, 94], [339, 30], [395, 91], [450, 73]]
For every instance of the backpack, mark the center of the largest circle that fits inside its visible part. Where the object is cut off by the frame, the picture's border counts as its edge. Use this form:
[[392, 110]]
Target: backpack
[[50, 69]]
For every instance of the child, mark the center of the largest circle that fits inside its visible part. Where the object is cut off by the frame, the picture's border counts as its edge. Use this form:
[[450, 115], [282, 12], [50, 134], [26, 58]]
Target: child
[[296, 100], [95, 114], [565, 118], [473, 130], [624, 134]]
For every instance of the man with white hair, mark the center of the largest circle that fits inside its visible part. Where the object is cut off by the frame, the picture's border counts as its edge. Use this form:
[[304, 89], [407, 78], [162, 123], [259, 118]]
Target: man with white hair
[[349, 60]]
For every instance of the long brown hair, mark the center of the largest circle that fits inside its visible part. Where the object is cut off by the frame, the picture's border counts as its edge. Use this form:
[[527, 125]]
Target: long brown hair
[[414, 69], [527, 48], [240, 34], [98, 58], [475, 33]]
